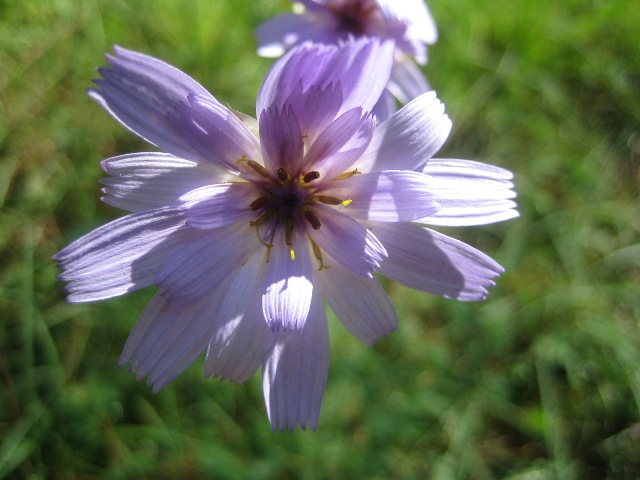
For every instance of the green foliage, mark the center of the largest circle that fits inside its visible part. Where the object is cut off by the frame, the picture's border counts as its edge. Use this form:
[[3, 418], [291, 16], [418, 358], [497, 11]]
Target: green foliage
[[541, 381]]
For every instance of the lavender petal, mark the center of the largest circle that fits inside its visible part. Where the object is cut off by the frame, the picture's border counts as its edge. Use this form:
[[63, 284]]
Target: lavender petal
[[360, 303], [430, 261], [146, 181], [140, 91], [295, 374]]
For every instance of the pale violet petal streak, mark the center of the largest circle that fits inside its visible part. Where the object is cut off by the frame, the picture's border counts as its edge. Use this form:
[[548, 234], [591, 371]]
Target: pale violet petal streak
[[407, 81], [315, 109], [168, 338], [409, 138], [241, 339], [340, 144], [121, 256], [390, 196], [215, 206], [215, 132], [139, 91], [420, 23], [286, 76], [463, 212], [430, 261], [360, 67], [288, 286], [470, 193], [359, 302], [205, 261], [281, 140], [455, 170], [294, 376], [347, 241], [145, 181], [385, 107]]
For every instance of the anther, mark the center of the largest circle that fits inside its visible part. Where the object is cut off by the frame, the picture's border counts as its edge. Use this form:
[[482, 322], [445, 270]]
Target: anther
[[313, 219], [326, 199], [282, 175], [258, 203], [311, 176]]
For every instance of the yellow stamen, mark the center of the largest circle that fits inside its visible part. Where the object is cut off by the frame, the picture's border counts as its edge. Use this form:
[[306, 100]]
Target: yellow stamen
[[255, 166], [344, 175], [287, 238], [318, 254], [328, 200], [268, 245]]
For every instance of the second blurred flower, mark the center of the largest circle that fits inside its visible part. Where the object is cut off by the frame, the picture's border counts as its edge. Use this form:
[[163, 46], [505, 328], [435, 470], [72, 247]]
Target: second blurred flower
[[407, 22]]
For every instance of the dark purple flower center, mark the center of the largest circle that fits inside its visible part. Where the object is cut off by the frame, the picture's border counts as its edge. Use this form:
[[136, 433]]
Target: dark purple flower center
[[287, 200], [353, 16]]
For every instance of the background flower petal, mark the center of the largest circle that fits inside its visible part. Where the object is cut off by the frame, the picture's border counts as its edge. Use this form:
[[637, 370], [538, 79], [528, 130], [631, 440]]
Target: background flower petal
[[421, 27], [407, 80], [276, 35]]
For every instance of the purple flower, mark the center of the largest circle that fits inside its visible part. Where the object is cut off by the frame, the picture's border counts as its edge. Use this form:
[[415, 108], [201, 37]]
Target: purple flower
[[246, 225], [407, 22]]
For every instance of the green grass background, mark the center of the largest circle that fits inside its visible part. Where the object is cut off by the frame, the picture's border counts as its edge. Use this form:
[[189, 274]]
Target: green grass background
[[541, 381]]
